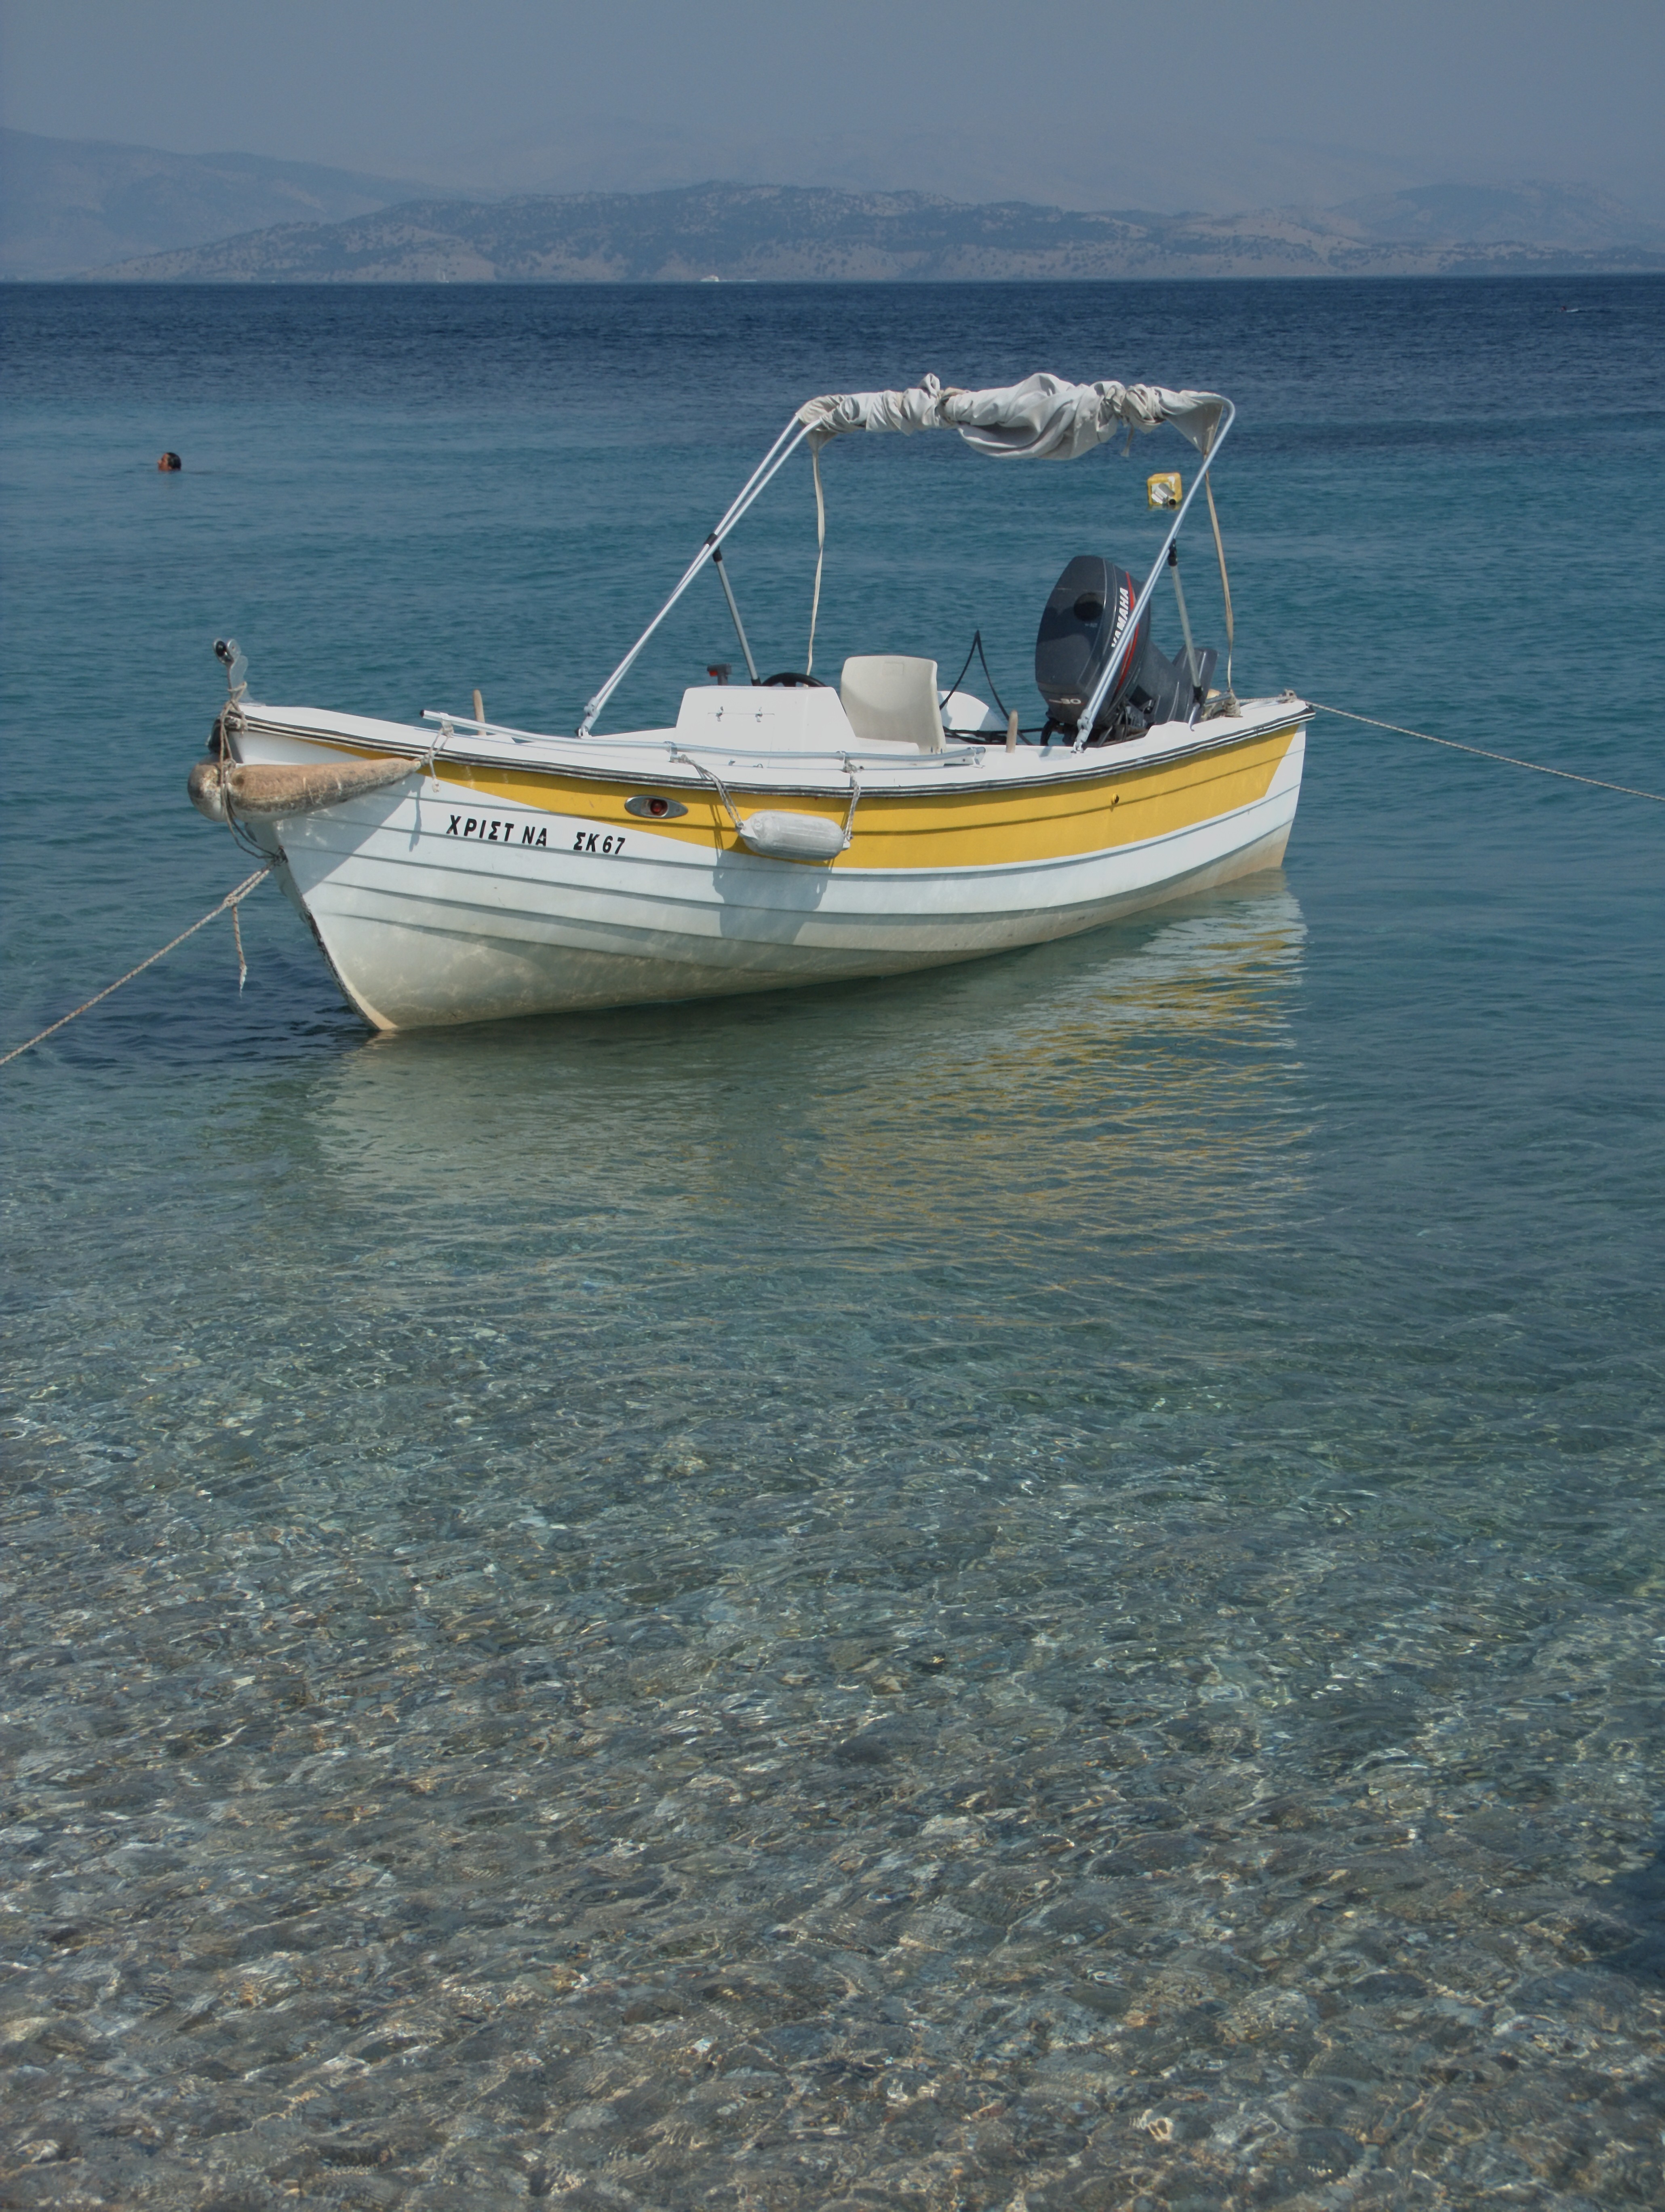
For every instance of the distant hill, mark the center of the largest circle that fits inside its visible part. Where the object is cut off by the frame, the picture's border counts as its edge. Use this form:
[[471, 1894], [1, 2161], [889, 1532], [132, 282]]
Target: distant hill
[[755, 233], [72, 204], [1575, 216], [135, 214]]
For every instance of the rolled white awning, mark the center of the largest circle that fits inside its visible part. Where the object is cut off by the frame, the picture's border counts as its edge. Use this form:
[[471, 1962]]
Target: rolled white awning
[[1042, 419]]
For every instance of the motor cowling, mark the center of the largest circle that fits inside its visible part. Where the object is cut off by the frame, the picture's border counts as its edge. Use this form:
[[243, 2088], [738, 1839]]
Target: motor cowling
[[1082, 627], [1083, 631]]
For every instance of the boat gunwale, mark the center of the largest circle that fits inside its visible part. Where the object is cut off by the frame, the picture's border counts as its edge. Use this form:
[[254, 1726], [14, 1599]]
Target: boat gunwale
[[1236, 730]]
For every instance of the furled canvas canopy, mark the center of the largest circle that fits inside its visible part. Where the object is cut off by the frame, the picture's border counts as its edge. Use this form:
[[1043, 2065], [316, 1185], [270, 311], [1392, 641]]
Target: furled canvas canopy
[[1042, 419]]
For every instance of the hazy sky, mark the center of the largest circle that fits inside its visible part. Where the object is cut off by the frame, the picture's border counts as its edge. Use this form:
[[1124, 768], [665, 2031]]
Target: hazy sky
[[1199, 103]]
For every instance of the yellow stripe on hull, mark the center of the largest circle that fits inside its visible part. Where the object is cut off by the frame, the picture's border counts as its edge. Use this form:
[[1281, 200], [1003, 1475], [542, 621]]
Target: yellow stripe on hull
[[1054, 820]]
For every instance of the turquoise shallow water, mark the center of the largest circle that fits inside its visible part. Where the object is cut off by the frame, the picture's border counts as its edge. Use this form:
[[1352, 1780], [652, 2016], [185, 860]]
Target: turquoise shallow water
[[1040, 1585]]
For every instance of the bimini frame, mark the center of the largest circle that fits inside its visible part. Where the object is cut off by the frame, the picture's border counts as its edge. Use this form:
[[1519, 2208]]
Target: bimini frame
[[769, 467]]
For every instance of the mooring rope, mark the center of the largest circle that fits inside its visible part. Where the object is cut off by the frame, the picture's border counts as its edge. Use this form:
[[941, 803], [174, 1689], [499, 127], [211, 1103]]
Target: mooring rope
[[232, 900], [1537, 767]]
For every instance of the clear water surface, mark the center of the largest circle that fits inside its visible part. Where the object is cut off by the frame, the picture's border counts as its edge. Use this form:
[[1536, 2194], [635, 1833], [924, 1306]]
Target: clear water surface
[[1038, 1586]]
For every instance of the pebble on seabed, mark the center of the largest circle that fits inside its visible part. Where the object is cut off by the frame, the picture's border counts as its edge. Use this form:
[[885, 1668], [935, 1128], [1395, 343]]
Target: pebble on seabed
[[395, 1848]]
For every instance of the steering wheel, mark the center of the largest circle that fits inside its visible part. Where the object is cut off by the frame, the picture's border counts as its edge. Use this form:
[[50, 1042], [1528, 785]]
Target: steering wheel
[[789, 679]]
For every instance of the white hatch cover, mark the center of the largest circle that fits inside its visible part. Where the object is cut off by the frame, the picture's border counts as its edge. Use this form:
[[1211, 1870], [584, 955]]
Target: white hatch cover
[[766, 718]]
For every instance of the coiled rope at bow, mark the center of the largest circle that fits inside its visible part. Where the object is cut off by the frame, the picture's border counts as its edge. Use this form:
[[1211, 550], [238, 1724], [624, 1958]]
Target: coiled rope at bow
[[1537, 767], [230, 903]]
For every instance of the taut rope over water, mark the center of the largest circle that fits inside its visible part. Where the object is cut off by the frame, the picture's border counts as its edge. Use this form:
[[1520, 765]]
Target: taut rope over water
[[1537, 767], [231, 902]]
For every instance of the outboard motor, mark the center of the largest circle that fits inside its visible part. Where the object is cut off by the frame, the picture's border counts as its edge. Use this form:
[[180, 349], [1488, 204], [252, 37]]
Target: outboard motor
[[1081, 630]]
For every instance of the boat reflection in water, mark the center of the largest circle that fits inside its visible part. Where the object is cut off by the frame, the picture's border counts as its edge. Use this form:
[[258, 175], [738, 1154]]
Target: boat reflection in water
[[1134, 1087]]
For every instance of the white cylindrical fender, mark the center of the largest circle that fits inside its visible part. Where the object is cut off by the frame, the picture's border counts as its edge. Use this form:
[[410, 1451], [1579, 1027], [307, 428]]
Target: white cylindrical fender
[[793, 836]]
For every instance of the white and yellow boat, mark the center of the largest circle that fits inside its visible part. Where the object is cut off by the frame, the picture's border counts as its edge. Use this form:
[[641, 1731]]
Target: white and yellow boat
[[783, 831]]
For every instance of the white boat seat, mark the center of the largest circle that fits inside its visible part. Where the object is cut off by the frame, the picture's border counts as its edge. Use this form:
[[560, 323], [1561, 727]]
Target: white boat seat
[[890, 699]]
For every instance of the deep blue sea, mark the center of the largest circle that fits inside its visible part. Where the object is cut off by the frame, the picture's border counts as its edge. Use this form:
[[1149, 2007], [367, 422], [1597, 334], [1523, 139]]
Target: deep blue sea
[[1036, 1586]]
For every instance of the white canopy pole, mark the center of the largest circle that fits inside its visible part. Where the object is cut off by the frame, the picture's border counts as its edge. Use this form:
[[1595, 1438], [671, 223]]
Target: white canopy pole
[[784, 447], [1130, 628]]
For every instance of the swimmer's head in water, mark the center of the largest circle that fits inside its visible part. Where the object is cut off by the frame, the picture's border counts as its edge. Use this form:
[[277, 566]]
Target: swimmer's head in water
[[170, 462]]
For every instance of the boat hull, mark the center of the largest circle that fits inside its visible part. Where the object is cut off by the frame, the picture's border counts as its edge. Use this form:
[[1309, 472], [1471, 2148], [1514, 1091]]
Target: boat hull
[[431, 911]]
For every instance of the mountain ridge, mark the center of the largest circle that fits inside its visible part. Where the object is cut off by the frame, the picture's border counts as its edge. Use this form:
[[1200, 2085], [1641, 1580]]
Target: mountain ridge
[[756, 233], [68, 205], [106, 211]]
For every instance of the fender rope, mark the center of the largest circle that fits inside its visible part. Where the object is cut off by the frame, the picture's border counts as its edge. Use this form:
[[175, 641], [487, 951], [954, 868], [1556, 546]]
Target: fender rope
[[231, 902], [1537, 767]]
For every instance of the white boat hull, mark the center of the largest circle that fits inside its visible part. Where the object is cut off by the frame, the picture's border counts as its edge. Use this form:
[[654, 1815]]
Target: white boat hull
[[431, 911]]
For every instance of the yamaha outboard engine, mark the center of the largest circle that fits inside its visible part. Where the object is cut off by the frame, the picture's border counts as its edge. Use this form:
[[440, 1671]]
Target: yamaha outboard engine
[[1082, 630]]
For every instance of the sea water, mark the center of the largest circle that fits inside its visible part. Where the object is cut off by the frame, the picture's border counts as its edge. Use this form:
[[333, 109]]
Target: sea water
[[1034, 1586]]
